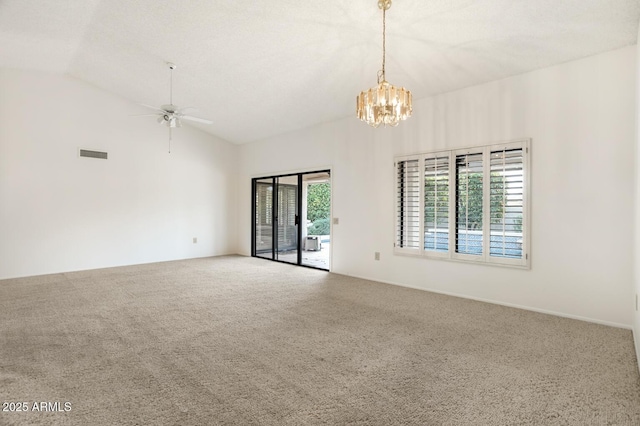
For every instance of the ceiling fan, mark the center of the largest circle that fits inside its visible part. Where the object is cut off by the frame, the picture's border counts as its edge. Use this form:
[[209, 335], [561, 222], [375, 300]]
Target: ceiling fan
[[170, 115]]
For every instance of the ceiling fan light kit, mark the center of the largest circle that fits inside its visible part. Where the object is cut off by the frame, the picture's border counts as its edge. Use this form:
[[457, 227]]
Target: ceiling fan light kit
[[384, 104]]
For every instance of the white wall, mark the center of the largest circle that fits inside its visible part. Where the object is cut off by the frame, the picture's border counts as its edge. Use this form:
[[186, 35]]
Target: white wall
[[636, 313], [580, 116], [59, 212]]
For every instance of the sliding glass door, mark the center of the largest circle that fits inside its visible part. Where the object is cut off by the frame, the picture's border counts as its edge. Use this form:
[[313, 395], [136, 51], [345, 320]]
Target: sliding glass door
[[291, 215], [264, 218], [287, 235]]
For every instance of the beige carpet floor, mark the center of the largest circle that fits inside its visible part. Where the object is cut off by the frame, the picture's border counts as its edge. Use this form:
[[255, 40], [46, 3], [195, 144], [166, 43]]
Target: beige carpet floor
[[243, 341]]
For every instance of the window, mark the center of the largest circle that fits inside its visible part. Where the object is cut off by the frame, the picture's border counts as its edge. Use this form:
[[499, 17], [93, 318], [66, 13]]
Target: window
[[436, 203], [468, 196], [468, 205], [507, 203]]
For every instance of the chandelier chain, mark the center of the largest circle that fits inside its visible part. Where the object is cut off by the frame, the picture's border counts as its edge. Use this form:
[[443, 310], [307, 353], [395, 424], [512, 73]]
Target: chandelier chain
[[384, 42]]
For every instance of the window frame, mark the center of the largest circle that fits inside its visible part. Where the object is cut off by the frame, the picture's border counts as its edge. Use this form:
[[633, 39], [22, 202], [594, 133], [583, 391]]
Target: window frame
[[485, 258]]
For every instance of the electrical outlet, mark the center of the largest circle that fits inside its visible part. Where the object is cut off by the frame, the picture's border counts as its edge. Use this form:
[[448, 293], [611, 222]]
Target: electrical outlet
[[377, 255], [195, 240]]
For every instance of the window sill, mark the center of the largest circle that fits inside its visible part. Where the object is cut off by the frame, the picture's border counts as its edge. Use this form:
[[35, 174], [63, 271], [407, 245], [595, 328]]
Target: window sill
[[518, 264]]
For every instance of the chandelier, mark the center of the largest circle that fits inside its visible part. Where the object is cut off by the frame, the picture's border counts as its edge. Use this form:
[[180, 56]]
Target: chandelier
[[384, 104]]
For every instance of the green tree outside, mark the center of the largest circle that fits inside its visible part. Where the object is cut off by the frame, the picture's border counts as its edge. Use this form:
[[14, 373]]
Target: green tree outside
[[470, 201], [318, 201], [469, 209], [436, 208]]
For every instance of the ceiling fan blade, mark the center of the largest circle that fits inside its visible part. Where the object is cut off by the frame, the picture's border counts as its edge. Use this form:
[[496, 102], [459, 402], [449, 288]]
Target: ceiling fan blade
[[143, 115], [196, 119], [182, 110], [152, 107]]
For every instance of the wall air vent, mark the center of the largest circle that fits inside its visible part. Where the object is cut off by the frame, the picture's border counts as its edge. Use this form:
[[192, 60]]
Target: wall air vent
[[93, 154]]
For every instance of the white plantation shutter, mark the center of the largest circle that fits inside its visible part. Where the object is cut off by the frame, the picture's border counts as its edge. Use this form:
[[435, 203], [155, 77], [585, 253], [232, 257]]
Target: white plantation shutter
[[436, 203], [264, 199], [408, 204], [507, 203], [287, 208], [469, 204]]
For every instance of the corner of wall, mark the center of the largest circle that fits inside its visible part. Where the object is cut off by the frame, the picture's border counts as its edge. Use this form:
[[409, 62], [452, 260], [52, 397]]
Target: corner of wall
[[636, 246]]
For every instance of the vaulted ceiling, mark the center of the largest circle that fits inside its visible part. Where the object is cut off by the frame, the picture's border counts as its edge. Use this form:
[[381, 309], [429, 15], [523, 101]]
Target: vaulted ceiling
[[262, 68]]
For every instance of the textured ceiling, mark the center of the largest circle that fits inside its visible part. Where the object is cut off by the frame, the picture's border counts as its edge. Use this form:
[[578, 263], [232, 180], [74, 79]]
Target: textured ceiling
[[262, 68]]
